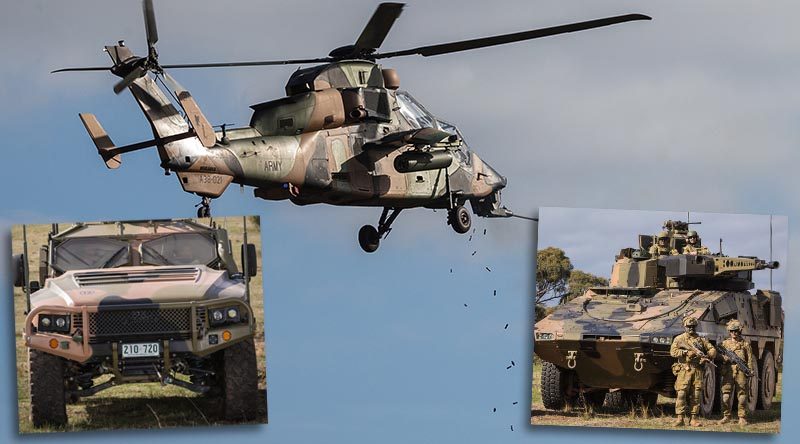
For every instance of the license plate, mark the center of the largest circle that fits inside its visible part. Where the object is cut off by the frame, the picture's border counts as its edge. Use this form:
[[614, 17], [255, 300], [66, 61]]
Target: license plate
[[145, 349]]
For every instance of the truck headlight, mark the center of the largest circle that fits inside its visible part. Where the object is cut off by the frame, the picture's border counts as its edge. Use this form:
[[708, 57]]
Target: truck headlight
[[663, 340], [54, 323], [544, 336], [225, 315]]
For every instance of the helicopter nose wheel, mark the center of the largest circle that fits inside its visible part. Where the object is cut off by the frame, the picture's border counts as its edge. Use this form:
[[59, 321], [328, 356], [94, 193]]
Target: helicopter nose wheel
[[369, 237], [460, 219], [204, 208]]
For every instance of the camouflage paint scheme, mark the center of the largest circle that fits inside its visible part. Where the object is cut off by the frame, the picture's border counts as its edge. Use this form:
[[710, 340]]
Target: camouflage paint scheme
[[618, 337], [333, 140], [344, 135], [127, 291]]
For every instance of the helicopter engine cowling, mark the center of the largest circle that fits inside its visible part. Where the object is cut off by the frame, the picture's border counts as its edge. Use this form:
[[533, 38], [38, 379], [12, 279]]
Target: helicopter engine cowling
[[413, 161]]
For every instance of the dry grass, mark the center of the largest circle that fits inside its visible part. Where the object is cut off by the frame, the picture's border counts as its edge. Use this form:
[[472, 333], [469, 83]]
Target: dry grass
[[139, 405], [768, 421]]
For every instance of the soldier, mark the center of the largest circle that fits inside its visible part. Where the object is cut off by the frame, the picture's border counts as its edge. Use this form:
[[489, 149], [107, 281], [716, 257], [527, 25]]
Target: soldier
[[692, 352], [661, 246], [732, 376], [694, 245]]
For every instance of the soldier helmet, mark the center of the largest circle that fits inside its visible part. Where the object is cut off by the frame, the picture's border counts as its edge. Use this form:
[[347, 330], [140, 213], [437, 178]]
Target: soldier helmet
[[691, 233], [663, 234], [690, 322], [734, 325]]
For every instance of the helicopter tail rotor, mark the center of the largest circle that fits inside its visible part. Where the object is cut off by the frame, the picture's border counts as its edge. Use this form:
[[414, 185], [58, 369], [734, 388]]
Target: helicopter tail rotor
[[122, 85], [150, 25]]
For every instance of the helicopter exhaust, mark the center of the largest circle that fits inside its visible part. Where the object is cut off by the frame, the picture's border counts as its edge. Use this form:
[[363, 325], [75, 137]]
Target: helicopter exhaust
[[413, 161]]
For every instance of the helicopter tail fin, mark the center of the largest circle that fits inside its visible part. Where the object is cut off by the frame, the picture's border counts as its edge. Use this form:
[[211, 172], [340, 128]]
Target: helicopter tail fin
[[105, 147], [110, 152]]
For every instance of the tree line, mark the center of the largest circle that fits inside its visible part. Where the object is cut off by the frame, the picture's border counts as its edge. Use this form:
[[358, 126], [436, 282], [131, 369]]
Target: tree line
[[558, 282]]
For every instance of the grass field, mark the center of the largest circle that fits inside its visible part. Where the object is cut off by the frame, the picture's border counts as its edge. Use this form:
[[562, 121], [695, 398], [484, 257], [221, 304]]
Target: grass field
[[768, 421], [138, 405]]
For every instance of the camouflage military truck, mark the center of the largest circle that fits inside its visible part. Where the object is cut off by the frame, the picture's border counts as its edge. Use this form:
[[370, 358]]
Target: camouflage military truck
[[146, 301], [612, 345]]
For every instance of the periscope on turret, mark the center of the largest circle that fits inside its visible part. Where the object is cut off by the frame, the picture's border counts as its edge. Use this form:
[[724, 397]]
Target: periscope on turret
[[606, 347]]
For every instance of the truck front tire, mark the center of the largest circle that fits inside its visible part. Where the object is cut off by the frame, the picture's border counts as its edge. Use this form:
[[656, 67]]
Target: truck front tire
[[240, 381], [47, 389], [555, 383]]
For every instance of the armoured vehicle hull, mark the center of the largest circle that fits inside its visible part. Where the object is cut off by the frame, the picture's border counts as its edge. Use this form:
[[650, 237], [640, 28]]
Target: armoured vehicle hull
[[153, 301], [612, 345]]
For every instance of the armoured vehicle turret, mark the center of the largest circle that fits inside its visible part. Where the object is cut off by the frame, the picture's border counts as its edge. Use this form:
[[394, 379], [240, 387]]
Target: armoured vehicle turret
[[139, 301], [612, 344]]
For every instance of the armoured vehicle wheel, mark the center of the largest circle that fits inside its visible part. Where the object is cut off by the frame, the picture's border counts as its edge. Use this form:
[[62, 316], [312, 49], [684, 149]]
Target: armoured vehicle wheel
[[48, 393], [623, 400], [709, 390], [460, 219], [555, 383], [753, 385], [240, 381], [718, 390], [617, 401], [767, 382], [368, 238]]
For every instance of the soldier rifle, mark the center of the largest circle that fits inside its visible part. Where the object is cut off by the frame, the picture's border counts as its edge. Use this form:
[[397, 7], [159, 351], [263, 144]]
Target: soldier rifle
[[736, 360], [703, 357]]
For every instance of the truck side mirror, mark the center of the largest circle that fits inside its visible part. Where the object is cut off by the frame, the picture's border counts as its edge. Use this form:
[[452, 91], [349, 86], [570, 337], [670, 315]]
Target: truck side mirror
[[18, 270], [252, 259], [34, 286]]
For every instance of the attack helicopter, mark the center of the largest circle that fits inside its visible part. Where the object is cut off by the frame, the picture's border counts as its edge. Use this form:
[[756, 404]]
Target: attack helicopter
[[345, 134]]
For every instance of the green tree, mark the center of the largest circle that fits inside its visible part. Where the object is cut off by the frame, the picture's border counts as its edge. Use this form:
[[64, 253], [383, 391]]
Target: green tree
[[553, 269], [580, 281], [541, 312]]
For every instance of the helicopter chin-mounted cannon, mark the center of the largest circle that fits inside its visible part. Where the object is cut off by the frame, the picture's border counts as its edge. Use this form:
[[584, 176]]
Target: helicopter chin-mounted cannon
[[345, 134]]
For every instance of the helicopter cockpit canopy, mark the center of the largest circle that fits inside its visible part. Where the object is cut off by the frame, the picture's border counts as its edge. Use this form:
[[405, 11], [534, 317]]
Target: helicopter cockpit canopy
[[418, 117]]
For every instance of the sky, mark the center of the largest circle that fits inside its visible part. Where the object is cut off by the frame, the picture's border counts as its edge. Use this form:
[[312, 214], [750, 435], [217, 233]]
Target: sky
[[696, 110], [592, 238]]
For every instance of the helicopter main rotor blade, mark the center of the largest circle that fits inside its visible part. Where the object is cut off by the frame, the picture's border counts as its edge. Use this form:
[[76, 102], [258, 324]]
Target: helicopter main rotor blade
[[378, 27], [150, 23], [137, 72], [253, 63], [211, 65], [88, 68], [466, 45]]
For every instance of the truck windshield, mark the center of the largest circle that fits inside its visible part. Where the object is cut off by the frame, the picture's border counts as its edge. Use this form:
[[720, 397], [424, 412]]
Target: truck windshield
[[180, 249], [90, 252]]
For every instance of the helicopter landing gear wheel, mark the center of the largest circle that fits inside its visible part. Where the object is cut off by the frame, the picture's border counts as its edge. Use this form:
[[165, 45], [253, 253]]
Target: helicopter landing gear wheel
[[204, 208], [369, 237], [460, 219]]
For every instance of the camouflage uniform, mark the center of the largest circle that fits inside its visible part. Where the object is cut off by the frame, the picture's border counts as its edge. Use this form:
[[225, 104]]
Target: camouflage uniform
[[659, 250], [733, 377], [688, 249], [688, 371], [696, 248]]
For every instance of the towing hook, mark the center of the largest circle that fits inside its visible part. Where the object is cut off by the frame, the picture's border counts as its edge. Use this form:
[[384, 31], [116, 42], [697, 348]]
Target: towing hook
[[572, 358], [638, 361]]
